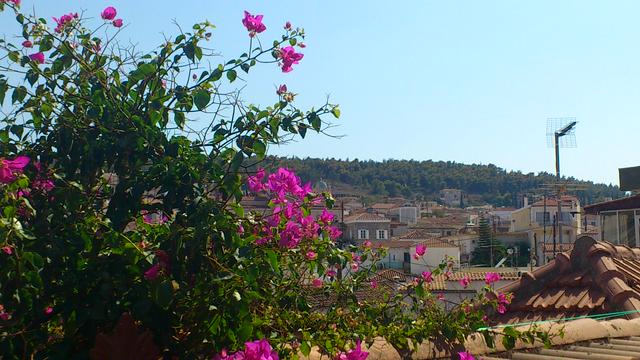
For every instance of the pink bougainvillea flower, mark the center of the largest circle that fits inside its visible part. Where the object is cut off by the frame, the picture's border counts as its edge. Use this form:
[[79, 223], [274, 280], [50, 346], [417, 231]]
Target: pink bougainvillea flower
[[240, 229], [253, 23], [287, 25], [440, 296], [302, 45], [44, 185], [366, 244], [311, 255], [355, 266], [154, 218], [465, 281], [463, 355], [289, 57], [27, 44], [48, 310], [501, 309], [37, 57], [7, 250], [117, 23], [355, 354], [334, 233], [10, 168], [5, 316], [326, 217], [255, 182], [64, 20], [427, 276], [420, 251], [153, 272], [259, 350], [15, 2], [109, 13], [330, 273], [291, 235], [317, 283], [374, 284], [491, 277], [282, 89]]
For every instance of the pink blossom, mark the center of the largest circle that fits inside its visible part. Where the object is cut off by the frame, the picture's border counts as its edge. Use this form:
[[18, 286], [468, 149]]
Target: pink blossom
[[158, 218], [491, 277], [5, 316], [27, 44], [48, 310], [282, 89], [330, 273], [311, 255], [287, 26], [37, 57], [355, 266], [326, 217], [289, 57], [302, 45], [259, 350], [7, 250], [334, 232], [317, 283], [15, 2], [262, 240], [420, 251], [291, 235], [366, 244], [374, 284], [64, 20], [465, 281], [354, 354], [44, 185], [427, 276], [240, 229], [501, 308], [10, 168], [153, 272], [253, 23], [440, 296], [255, 182], [463, 355], [109, 13], [117, 23], [485, 318]]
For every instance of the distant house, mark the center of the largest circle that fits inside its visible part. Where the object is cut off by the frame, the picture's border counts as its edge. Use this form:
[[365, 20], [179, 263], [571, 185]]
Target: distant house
[[538, 220], [401, 253], [619, 220], [382, 208], [407, 214], [595, 277], [367, 226], [451, 197]]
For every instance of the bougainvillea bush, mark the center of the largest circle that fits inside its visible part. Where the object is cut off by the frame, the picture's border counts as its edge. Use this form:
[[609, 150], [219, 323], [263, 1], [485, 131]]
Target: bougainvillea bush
[[121, 232]]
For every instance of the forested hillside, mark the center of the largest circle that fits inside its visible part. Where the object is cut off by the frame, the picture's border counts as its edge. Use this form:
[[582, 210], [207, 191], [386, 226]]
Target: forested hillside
[[410, 178]]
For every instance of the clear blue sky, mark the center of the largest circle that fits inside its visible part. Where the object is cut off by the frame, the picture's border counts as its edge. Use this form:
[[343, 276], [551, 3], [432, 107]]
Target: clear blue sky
[[466, 81]]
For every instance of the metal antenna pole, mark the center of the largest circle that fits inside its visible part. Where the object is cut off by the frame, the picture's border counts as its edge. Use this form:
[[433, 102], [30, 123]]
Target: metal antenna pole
[[558, 199]]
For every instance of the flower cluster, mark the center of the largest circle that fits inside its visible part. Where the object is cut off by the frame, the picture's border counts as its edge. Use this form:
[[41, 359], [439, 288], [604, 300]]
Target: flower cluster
[[253, 23], [504, 299], [15, 2], [64, 21], [289, 57], [109, 14], [354, 354], [255, 350], [463, 355], [9, 169], [421, 249], [161, 267], [491, 277]]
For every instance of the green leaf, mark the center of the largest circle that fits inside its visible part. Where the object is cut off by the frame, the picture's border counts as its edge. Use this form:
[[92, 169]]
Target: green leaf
[[164, 294], [19, 94], [259, 148], [34, 259], [179, 118], [302, 129], [336, 112], [272, 259], [3, 90], [201, 98], [231, 75], [305, 348], [32, 76]]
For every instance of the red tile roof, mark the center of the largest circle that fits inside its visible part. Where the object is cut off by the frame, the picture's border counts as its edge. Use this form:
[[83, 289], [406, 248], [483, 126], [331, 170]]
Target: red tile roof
[[369, 217], [417, 234], [596, 277], [406, 243]]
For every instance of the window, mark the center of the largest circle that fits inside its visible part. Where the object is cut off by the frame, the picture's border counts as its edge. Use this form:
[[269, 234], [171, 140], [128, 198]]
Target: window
[[610, 227], [407, 257], [627, 228], [363, 234], [540, 219], [381, 234]]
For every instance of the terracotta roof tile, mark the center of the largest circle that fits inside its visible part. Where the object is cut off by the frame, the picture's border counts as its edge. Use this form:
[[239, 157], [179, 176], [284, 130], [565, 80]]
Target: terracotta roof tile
[[595, 277], [366, 217]]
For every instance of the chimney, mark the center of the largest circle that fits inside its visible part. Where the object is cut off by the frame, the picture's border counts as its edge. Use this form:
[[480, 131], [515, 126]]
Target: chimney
[[526, 201]]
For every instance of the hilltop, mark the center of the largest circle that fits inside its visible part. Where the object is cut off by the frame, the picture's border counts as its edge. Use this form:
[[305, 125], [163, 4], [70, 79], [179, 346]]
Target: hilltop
[[423, 179]]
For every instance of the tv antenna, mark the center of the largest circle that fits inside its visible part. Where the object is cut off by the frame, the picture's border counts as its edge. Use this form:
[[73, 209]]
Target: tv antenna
[[560, 133]]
